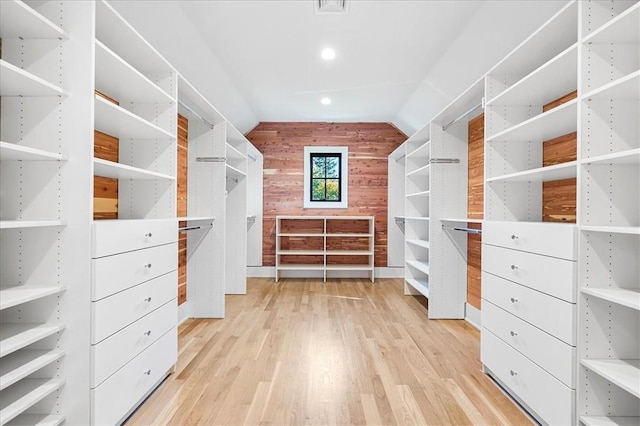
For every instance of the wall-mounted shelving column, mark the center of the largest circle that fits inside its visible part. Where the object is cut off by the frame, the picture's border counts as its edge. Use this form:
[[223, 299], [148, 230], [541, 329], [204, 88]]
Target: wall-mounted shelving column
[[609, 219]]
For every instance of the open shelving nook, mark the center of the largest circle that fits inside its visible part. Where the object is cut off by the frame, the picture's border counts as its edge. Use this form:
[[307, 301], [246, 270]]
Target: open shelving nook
[[325, 243]]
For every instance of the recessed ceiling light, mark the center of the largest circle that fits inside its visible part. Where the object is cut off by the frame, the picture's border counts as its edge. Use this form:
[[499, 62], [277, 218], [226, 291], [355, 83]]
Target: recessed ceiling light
[[325, 101], [328, 54]]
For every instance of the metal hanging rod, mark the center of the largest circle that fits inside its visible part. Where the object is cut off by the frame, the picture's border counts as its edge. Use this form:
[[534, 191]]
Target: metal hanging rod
[[251, 157], [401, 157], [211, 159], [444, 160], [198, 116], [464, 114], [193, 228], [459, 228]]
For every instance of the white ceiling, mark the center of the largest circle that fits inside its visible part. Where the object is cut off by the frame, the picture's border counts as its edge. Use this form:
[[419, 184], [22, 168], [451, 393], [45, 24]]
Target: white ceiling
[[398, 61]]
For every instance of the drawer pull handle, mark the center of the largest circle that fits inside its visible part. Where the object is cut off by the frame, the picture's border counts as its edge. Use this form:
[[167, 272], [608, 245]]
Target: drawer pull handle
[[148, 372], [513, 333], [514, 267], [147, 333], [514, 237], [148, 235], [513, 373], [148, 266], [148, 299], [514, 300]]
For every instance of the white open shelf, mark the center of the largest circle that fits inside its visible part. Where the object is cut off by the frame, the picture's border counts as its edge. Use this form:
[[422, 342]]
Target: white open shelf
[[621, 29], [19, 20], [13, 296], [420, 152], [299, 267], [418, 194], [621, 296], [462, 220], [195, 218], [37, 420], [346, 234], [553, 79], [235, 173], [19, 365], [300, 252], [548, 125], [609, 421], [301, 235], [627, 87], [542, 174], [622, 373], [420, 265], [15, 336], [632, 230], [421, 285], [23, 224], [418, 218], [349, 253], [11, 151], [119, 80], [422, 170], [116, 121], [419, 243], [24, 394], [15, 81], [234, 153], [334, 267], [631, 157], [122, 171]]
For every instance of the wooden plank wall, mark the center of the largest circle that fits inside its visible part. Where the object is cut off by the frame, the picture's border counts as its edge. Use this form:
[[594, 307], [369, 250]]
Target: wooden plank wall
[[183, 138], [282, 145], [475, 207], [105, 190]]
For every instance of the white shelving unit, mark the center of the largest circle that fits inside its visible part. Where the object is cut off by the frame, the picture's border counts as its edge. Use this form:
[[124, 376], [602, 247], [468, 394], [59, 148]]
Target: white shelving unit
[[395, 207], [318, 244], [45, 187], [609, 215]]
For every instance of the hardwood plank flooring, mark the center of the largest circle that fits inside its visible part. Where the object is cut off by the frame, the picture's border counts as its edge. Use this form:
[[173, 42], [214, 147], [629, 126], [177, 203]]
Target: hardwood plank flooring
[[345, 352]]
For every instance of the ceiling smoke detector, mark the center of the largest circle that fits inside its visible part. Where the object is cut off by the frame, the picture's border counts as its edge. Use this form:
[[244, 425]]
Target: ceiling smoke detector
[[331, 6]]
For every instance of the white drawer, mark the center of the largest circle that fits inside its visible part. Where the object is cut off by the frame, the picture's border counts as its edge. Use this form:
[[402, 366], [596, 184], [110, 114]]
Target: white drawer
[[550, 239], [112, 274], [115, 312], [114, 352], [117, 236], [549, 353], [549, 314], [543, 393], [123, 391], [549, 275]]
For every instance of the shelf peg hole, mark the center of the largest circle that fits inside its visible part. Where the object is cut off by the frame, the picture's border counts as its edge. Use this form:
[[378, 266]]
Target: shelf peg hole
[[514, 267], [147, 333], [514, 237], [148, 372], [514, 300], [147, 266], [148, 235], [513, 333], [148, 299], [513, 373]]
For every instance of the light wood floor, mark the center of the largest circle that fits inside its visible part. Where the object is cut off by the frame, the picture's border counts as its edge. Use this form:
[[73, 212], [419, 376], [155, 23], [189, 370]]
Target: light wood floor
[[344, 352]]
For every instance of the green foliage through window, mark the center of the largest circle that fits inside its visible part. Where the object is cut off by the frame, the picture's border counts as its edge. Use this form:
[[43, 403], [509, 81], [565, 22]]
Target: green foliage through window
[[325, 176]]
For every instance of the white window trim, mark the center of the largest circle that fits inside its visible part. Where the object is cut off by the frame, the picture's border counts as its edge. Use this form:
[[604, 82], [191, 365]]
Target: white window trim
[[344, 180]]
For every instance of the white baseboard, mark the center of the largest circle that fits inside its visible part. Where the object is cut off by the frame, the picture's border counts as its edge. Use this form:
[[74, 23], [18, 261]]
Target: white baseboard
[[472, 315], [270, 272]]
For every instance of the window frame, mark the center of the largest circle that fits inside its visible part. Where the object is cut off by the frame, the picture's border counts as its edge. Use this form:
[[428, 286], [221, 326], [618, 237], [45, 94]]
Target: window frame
[[343, 152], [325, 178]]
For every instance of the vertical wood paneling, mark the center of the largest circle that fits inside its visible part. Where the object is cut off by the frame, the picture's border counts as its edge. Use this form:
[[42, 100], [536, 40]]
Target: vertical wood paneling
[[105, 190], [282, 145], [475, 207], [183, 138]]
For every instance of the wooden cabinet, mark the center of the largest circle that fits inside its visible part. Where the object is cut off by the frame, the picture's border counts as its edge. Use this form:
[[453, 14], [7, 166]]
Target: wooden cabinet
[[325, 244]]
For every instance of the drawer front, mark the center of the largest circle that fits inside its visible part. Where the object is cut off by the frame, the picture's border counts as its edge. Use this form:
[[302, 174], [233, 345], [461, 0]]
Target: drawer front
[[544, 394], [113, 274], [550, 239], [549, 353], [114, 352], [122, 392], [549, 314], [113, 313], [549, 275], [118, 236]]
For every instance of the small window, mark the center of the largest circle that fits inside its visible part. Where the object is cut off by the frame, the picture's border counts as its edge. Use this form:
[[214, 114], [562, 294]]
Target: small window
[[325, 177]]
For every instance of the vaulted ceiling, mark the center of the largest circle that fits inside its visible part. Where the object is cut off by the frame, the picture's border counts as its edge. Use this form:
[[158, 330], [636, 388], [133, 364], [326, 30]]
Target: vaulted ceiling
[[398, 61]]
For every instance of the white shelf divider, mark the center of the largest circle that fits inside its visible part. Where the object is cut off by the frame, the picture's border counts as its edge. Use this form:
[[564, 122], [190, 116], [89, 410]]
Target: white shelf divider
[[609, 421], [335, 267], [355, 235], [13, 296], [16, 336], [422, 266], [15, 81], [418, 194], [233, 152], [119, 80], [23, 224], [421, 151], [631, 230], [13, 152], [37, 420], [235, 173], [300, 267], [349, 252], [421, 285], [622, 373], [419, 243], [21, 396], [19, 20], [300, 252], [462, 220], [122, 171], [19, 365], [630, 157], [421, 170], [621, 29], [116, 121], [543, 174], [627, 87], [621, 296]]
